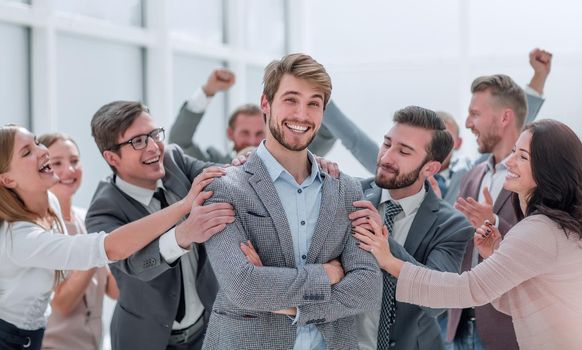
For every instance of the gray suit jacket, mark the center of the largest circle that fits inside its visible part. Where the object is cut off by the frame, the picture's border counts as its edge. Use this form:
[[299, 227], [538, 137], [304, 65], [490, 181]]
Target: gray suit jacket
[[437, 240], [149, 287], [187, 122], [242, 317], [337, 125]]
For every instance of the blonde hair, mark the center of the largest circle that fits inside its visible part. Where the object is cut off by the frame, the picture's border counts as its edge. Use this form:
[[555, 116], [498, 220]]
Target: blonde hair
[[301, 66], [12, 207], [505, 92]]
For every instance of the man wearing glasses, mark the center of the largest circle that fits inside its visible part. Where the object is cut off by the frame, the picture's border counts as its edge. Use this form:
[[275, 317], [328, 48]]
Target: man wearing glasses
[[166, 289]]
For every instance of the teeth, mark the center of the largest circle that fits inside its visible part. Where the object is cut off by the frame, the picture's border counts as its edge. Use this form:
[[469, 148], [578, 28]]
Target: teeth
[[68, 182], [151, 161], [510, 174], [297, 127], [46, 168]]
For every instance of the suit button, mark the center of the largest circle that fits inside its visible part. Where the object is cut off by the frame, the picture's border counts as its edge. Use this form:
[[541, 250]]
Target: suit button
[[392, 344], [303, 256], [302, 222]]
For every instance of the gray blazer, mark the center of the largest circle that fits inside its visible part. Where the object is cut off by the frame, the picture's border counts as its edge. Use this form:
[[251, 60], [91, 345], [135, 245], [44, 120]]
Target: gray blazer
[[149, 287], [337, 125], [183, 129], [242, 317], [437, 240]]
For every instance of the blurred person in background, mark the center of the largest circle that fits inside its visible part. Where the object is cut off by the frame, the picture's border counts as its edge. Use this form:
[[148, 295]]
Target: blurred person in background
[[77, 303]]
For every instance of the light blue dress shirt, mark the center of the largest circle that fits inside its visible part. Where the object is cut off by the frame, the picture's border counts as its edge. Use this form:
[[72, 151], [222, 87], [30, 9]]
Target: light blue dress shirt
[[301, 203]]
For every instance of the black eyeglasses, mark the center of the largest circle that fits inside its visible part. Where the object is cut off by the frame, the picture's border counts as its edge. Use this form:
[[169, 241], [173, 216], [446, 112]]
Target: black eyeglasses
[[141, 141]]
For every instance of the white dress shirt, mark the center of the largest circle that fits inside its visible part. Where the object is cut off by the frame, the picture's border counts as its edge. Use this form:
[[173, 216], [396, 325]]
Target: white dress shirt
[[29, 256], [171, 251], [368, 325]]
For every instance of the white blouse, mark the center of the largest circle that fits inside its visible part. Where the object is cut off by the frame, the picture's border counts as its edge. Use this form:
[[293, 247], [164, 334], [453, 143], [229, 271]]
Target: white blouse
[[29, 256]]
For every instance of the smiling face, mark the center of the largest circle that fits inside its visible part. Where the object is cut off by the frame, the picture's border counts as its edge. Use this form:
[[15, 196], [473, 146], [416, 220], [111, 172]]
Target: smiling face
[[248, 130], [402, 158], [295, 115], [484, 121], [519, 177], [29, 170], [66, 164], [142, 167]]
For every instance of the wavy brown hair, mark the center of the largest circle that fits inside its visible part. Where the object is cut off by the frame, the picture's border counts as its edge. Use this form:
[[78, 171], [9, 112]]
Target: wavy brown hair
[[556, 164], [12, 207]]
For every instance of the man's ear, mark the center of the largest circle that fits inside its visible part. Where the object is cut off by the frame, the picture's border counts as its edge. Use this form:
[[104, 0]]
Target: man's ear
[[265, 105], [458, 143], [7, 181], [431, 168], [112, 158], [508, 117], [230, 133]]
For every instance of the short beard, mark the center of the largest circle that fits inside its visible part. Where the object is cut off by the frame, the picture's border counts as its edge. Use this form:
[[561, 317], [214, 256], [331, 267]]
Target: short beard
[[489, 141], [400, 181], [278, 135]]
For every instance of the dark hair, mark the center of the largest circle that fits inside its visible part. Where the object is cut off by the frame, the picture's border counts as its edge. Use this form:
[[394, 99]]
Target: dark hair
[[112, 120], [506, 92], [441, 143], [556, 164], [248, 109]]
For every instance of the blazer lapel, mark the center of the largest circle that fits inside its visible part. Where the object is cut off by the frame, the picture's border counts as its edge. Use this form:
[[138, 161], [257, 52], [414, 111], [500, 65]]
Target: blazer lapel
[[261, 182], [423, 221], [327, 211], [172, 182], [476, 181], [372, 192], [503, 197]]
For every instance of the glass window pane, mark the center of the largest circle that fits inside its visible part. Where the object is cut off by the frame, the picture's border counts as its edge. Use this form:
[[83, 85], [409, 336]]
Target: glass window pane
[[374, 30], [197, 18], [190, 73], [91, 73], [261, 14], [254, 84], [124, 12], [515, 27], [14, 73]]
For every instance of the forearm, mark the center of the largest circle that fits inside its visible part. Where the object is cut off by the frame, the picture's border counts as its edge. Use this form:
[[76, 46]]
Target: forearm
[[128, 239], [184, 126], [362, 147], [262, 288], [359, 291], [70, 292]]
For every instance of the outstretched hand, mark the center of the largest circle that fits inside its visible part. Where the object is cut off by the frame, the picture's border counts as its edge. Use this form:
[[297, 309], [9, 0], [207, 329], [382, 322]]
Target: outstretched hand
[[477, 212], [487, 238], [541, 62]]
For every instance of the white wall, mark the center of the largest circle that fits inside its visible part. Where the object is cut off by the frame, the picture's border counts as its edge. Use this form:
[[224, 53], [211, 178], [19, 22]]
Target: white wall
[[386, 55]]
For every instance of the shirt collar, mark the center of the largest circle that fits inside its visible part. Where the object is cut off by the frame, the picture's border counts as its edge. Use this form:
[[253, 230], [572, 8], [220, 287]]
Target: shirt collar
[[499, 166], [140, 194], [409, 204], [276, 170]]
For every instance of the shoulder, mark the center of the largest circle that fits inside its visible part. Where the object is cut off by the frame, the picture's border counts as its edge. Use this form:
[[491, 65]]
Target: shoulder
[[538, 229], [235, 179]]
